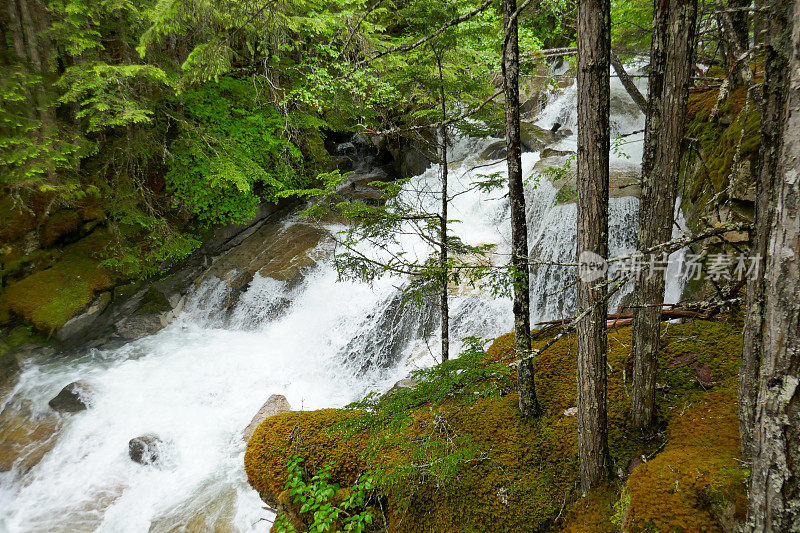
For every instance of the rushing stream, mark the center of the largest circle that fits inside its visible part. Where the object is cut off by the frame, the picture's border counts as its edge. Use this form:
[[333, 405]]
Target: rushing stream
[[317, 341]]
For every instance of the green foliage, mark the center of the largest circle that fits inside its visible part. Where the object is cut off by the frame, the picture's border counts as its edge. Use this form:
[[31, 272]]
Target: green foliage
[[30, 151], [111, 95], [437, 450], [232, 154], [318, 499]]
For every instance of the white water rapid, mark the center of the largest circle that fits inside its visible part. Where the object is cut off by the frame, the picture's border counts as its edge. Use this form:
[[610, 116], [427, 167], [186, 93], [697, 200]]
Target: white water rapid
[[319, 342]]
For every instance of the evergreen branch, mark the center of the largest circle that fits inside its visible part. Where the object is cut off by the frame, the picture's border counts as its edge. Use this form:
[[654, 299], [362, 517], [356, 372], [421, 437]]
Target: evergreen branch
[[411, 46]]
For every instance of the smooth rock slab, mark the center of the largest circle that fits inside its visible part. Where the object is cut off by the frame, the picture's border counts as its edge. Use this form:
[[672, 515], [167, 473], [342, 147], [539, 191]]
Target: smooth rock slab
[[275, 405], [25, 437]]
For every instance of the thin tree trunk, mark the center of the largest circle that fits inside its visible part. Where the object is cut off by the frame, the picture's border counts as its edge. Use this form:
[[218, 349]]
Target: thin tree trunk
[[594, 51], [528, 403], [16, 30], [773, 101], [739, 22], [631, 88], [35, 52], [670, 76], [774, 499], [444, 306]]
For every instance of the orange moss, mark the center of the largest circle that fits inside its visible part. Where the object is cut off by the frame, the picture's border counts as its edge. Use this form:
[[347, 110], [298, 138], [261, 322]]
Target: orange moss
[[310, 434], [524, 474], [592, 513], [58, 225], [14, 222]]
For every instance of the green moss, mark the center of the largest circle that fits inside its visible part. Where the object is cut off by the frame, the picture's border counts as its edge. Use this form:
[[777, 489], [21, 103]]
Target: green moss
[[153, 302], [47, 299], [515, 474], [716, 141]]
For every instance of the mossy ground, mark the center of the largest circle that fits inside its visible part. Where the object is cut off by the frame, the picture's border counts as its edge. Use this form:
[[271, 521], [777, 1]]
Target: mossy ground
[[50, 297], [522, 475]]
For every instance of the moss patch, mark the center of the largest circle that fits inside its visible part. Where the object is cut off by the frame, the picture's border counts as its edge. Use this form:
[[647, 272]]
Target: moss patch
[[714, 145], [48, 298], [514, 474]]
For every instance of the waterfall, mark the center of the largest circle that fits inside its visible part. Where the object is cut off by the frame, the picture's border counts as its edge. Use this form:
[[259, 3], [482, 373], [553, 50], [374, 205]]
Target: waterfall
[[317, 340]]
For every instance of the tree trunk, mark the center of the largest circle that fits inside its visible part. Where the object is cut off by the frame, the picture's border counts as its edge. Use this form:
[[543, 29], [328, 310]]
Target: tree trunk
[[672, 57], [739, 25], [444, 306], [773, 101], [528, 403], [774, 97], [594, 51], [16, 30], [774, 499]]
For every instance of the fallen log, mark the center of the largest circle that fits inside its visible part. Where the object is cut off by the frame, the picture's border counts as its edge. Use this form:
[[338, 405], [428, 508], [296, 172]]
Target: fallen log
[[617, 319]]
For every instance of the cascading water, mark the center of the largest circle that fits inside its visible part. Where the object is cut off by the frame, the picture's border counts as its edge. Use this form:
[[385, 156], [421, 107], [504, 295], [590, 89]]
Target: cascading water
[[316, 340]]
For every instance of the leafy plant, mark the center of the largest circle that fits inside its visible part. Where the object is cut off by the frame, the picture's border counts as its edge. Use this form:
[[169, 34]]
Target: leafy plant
[[320, 500]]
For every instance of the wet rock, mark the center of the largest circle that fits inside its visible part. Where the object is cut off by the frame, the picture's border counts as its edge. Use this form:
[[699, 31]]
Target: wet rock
[[136, 327], [25, 438], [623, 105], [146, 449], [347, 148], [72, 398], [81, 325], [496, 150], [151, 313], [9, 366], [275, 405], [552, 152], [623, 181], [284, 253], [534, 137], [211, 507]]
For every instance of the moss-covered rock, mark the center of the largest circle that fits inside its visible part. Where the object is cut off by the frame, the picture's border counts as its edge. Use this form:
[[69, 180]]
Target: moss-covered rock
[[50, 297], [515, 474]]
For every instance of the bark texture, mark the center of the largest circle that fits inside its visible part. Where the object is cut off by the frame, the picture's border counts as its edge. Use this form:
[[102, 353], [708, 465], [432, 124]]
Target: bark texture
[[773, 100], [594, 51], [774, 499], [672, 57], [444, 304], [528, 403]]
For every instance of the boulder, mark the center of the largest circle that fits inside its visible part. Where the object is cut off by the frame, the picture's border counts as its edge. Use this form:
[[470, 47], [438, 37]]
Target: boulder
[[72, 398], [496, 150], [146, 449], [623, 180], [552, 152], [138, 326], [275, 405], [405, 383], [276, 250], [82, 324], [533, 137]]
